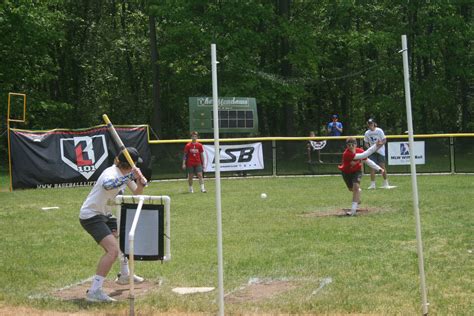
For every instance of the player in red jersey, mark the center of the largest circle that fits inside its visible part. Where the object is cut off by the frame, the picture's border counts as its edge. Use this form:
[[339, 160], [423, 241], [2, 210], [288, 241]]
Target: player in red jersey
[[351, 168], [193, 161]]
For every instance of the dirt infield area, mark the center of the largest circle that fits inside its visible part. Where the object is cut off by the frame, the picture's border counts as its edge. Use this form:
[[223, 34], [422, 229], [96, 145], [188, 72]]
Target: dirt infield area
[[77, 292], [341, 212], [259, 290], [255, 290], [26, 311]]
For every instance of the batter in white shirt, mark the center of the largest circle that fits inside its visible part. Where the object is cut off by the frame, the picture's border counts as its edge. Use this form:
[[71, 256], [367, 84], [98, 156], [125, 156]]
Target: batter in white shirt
[[102, 226]]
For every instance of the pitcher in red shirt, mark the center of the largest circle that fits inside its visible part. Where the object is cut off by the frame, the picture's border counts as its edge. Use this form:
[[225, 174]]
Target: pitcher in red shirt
[[351, 168], [193, 161]]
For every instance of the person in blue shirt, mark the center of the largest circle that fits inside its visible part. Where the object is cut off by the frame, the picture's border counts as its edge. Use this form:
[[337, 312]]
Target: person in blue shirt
[[335, 127]]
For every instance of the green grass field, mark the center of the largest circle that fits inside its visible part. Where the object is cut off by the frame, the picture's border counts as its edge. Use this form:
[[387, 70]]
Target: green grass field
[[371, 259]]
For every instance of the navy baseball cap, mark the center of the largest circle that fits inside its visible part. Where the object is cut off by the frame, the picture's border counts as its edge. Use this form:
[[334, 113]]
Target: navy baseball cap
[[133, 153], [335, 116]]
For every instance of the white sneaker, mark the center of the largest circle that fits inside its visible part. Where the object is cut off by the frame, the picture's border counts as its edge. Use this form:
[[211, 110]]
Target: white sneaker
[[351, 213], [98, 296], [386, 186], [191, 190], [203, 191], [125, 279], [371, 187]]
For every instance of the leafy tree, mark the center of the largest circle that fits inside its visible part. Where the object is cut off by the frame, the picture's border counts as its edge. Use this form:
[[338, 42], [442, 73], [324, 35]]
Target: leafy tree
[[139, 61]]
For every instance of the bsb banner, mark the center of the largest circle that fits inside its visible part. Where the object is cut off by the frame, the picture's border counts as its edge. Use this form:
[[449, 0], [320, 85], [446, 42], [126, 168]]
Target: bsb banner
[[69, 158], [235, 157]]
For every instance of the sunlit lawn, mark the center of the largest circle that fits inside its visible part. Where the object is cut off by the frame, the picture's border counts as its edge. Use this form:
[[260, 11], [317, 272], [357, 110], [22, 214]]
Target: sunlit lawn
[[370, 259]]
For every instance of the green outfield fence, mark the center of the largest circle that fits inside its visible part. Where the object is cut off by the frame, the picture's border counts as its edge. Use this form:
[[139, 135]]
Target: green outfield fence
[[287, 156], [284, 156]]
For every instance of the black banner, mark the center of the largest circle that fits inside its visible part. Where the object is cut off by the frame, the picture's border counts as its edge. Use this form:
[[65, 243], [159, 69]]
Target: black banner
[[68, 158]]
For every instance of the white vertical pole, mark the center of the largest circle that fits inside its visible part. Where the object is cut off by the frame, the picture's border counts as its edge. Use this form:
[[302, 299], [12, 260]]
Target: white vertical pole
[[215, 100], [131, 261], [167, 201], [406, 74]]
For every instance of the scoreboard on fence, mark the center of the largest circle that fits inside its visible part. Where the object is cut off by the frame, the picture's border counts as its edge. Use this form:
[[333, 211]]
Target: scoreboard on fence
[[236, 115]]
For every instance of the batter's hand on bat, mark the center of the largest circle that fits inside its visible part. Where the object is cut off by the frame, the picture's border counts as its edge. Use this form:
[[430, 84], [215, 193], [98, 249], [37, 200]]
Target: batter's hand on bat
[[137, 174]]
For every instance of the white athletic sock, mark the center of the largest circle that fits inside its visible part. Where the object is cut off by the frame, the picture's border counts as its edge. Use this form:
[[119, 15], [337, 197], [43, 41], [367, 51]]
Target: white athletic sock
[[385, 183], [97, 282], [202, 186], [372, 183], [124, 270], [354, 206]]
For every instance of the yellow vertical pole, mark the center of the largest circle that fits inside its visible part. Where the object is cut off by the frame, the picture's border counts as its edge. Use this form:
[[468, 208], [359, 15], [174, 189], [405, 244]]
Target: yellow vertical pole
[[8, 131], [8, 149]]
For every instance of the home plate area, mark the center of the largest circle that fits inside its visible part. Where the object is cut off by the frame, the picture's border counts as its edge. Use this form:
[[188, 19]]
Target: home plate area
[[259, 289], [77, 292], [256, 289]]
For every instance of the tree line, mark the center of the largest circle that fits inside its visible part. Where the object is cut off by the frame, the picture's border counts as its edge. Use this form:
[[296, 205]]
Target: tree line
[[139, 61]]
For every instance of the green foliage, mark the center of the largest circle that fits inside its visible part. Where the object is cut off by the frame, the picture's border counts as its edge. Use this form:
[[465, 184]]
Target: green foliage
[[323, 57]]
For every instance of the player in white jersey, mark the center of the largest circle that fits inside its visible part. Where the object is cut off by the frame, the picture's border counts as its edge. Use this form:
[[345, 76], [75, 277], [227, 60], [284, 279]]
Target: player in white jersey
[[371, 137], [102, 226]]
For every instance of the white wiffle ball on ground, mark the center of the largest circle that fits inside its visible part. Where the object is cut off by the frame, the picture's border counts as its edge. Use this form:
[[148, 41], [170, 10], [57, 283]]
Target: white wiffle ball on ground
[[263, 195]]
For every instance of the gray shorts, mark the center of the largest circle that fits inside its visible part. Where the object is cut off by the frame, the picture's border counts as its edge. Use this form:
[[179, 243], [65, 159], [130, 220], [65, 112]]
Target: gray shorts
[[99, 226], [351, 178], [377, 158], [194, 169]]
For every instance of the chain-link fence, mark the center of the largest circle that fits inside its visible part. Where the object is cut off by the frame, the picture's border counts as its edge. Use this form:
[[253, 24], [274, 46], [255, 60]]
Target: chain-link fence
[[449, 153], [284, 156]]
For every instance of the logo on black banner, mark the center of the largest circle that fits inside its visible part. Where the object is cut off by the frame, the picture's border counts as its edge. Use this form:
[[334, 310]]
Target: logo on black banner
[[85, 154], [242, 154]]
